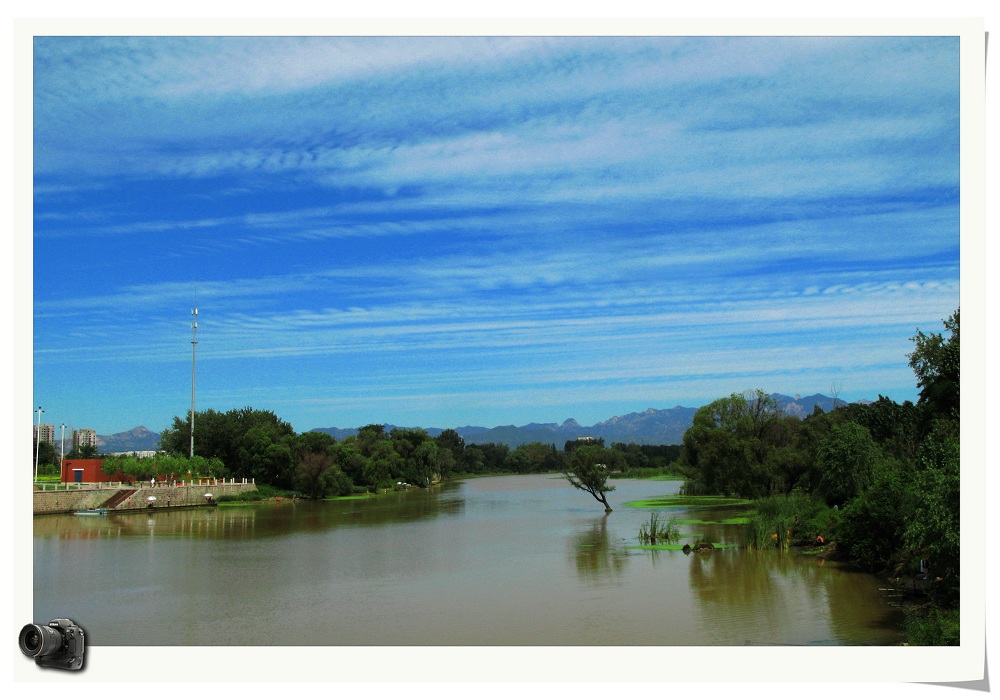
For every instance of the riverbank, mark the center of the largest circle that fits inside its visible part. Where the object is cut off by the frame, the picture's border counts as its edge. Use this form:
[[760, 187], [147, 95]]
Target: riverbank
[[131, 497]]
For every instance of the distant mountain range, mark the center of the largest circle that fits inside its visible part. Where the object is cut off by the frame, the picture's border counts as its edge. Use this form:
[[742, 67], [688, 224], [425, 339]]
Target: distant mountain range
[[138, 439], [650, 427]]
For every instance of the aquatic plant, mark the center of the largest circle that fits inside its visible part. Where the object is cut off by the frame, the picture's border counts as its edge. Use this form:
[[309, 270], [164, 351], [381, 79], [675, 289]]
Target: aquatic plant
[[656, 531], [778, 520]]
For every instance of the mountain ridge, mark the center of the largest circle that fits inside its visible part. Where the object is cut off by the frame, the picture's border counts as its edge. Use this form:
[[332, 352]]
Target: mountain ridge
[[649, 427], [138, 439]]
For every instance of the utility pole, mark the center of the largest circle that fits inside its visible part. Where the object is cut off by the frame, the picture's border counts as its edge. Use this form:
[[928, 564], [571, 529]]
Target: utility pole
[[194, 348], [38, 439]]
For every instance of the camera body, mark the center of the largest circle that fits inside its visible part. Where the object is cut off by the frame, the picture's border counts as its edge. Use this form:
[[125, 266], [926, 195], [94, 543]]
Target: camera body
[[59, 644]]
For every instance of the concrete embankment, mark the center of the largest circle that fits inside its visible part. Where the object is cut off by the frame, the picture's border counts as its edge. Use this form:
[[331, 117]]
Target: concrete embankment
[[125, 498]]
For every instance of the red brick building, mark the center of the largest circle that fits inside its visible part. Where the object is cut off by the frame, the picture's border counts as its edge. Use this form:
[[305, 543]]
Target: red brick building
[[89, 470], [84, 470]]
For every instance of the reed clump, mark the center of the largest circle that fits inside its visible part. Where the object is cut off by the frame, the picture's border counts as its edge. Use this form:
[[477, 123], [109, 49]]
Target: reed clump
[[657, 531], [780, 521]]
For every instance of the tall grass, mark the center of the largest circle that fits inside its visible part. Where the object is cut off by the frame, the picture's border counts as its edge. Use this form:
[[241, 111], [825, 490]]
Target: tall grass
[[657, 531], [777, 521]]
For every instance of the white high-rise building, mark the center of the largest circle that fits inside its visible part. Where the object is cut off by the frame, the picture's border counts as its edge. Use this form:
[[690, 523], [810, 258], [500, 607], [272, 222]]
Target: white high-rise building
[[44, 433], [84, 437]]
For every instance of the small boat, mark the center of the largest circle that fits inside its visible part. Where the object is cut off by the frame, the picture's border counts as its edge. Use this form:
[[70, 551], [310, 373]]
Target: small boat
[[93, 511]]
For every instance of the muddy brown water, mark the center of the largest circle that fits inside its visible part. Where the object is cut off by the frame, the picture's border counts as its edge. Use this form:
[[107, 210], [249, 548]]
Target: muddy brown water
[[512, 560]]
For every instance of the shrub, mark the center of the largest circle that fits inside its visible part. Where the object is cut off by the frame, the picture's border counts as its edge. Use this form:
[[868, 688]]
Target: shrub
[[872, 525], [932, 627]]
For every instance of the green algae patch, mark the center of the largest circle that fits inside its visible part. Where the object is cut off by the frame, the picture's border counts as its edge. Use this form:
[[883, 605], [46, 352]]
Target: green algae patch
[[736, 520], [679, 547], [675, 501]]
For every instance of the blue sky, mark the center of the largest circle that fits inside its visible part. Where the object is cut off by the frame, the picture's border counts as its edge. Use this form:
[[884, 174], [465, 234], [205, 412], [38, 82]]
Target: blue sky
[[453, 231]]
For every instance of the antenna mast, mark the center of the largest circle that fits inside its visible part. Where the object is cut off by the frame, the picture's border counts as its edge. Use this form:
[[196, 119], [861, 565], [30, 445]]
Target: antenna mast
[[194, 347]]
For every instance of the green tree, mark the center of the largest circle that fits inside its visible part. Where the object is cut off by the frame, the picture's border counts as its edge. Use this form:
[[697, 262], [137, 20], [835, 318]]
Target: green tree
[[112, 465], [382, 464], [316, 476], [911, 508], [494, 457], [418, 456], [846, 461], [451, 452], [473, 460], [313, 442], [872, 525], [83, 452], [45, 456], [589, 469], [450, 440], [264, 459], [933, 525], [633, 454], [786, 457], [935, 361], [571, 445], [349, 459], [251, 443], [731, 448], [895, 427], [533, 458]]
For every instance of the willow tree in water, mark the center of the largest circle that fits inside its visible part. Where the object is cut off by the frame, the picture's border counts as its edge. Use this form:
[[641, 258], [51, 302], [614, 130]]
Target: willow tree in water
[[589, 469]]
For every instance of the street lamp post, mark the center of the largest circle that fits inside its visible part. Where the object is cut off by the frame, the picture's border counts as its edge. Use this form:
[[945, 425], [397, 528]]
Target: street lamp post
[[38, 439], [194, 347]]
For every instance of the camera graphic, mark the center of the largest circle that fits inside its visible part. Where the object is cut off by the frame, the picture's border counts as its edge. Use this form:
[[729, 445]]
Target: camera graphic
[[58, 644]]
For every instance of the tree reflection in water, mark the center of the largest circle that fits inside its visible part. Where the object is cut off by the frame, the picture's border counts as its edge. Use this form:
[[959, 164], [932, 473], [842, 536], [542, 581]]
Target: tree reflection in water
[[596, 559]]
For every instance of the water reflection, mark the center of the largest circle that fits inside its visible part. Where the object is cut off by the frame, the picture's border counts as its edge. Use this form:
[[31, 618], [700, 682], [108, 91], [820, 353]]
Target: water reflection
[[254, 521], [786, 598], [595, 557]]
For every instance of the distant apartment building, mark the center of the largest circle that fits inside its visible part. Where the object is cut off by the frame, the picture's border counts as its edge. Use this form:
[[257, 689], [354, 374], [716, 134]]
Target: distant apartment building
[[138, 454], [84, 437], [44, 433]]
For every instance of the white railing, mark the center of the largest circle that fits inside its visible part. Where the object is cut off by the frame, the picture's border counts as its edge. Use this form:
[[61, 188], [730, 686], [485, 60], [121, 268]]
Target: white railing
[[94, 485]]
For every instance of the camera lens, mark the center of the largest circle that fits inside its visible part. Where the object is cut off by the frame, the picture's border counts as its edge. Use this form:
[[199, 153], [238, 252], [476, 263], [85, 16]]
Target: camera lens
[[30, 639], [39, 640]]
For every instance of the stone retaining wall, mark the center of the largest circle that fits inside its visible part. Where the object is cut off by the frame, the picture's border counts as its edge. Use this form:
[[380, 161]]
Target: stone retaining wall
[[89, 498]]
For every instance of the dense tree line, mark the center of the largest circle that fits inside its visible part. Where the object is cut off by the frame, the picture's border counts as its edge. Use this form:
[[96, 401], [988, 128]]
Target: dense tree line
[[887, 473], [250, 443], [161, 465], [44, 454]]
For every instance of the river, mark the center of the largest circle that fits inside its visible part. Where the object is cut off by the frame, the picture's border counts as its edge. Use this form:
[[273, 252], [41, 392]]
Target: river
[[510, 560]]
